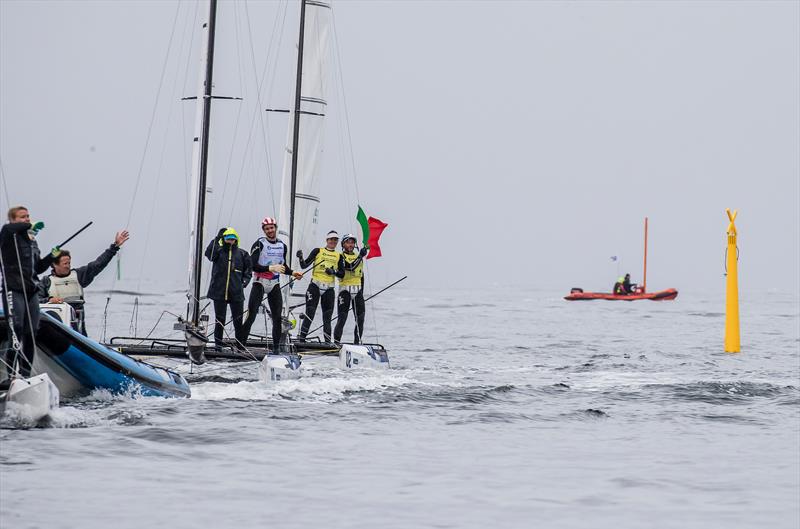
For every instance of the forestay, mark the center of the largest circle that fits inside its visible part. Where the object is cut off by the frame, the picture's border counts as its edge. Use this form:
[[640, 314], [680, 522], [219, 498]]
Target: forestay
[[315, 62]]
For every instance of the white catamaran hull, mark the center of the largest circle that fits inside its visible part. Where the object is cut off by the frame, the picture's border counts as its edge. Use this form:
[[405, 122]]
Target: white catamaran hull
[[30, 399], [360, 356], [274, 368]]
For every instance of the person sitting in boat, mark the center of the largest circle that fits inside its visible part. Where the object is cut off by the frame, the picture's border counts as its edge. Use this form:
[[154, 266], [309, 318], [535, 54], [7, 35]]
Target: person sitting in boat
[[328, 265], [351, 289], [627, 286], [65, 284], [623, 286], [230, 273], [268, 256], [21, 263]]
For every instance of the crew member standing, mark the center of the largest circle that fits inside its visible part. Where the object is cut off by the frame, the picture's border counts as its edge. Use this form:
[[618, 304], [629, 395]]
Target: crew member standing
[[230, 273], [268, 255], [21, 263], [351, 289], [328, 265]]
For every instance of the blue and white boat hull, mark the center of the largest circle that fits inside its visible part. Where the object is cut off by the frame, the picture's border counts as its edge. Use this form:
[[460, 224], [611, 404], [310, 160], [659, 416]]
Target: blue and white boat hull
[[78, 365]]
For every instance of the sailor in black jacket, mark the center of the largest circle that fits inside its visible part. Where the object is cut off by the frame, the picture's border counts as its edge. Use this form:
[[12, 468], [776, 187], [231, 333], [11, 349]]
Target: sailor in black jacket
[[65, 284], [230, 273], [21, 263]]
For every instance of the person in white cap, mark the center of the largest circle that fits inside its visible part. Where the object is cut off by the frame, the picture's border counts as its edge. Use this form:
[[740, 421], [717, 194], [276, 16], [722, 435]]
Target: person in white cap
[[268, 255], [328, 265], [351, 289]]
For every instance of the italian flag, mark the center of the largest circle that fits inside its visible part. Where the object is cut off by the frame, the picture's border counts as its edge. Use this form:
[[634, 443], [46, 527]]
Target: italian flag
[[371, 228]]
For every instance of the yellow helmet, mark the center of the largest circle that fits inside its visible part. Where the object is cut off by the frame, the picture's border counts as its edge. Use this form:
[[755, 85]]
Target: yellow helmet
[[230, 233]]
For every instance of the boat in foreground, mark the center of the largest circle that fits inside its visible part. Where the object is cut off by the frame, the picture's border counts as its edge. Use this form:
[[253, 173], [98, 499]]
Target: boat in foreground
[[78, 365]]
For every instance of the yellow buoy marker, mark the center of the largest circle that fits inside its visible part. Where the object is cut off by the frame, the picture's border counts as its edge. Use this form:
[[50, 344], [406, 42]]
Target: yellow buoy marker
[[732, 343]]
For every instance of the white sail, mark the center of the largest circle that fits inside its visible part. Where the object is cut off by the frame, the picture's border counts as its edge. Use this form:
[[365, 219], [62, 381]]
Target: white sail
[[311, 134], [196, 151]]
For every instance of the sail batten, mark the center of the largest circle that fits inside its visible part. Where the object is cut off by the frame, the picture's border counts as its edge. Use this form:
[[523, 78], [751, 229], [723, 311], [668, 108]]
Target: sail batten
[[300, 202]]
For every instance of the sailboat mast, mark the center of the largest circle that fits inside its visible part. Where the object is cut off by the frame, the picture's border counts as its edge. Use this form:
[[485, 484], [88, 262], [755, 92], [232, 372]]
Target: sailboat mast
[[194, 314], [296, 128], [644, 280]]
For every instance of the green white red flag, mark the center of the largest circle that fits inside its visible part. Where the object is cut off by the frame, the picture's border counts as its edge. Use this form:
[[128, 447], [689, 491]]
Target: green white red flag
[[371, 230]]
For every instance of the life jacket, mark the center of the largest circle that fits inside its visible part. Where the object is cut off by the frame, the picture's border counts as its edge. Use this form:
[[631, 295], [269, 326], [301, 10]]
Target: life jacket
[[271, 253], [325, 259], [352, 278], [65, 287]]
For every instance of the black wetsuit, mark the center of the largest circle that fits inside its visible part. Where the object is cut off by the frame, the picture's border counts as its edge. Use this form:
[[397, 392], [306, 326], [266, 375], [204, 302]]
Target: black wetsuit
[[230, 273], [274, 296], [313, 297], [346, 299], [626, 286], [86, 275], [22, 262]]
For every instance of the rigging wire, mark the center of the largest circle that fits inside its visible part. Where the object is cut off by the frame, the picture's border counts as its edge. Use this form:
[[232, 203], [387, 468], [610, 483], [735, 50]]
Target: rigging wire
[[260, 105], [159, 171], [5, 184], [187, 161], [243, 91], [340, 71], [144, 155], [153, 116], [257, 113]]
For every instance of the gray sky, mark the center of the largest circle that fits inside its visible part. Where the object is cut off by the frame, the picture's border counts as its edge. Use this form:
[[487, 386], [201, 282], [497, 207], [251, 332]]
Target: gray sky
[[504, 142]]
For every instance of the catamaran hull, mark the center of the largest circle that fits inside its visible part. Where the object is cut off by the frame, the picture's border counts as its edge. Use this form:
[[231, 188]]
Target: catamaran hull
[[661, 295], [274, 368], [363, 356], [29, 399]]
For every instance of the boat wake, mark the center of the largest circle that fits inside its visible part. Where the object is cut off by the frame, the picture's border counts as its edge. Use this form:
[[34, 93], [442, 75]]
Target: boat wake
[[331, 387]]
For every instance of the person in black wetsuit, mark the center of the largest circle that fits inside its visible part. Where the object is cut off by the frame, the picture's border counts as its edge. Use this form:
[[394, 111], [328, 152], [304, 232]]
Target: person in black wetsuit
[[65, 284], [351, 290], [328, 265], [623, 286], [21, 263], [268, 255], [627, 287], [230, 273]]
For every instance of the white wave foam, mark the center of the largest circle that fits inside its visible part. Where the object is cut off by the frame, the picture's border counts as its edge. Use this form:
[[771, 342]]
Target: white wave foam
[[311, 386]]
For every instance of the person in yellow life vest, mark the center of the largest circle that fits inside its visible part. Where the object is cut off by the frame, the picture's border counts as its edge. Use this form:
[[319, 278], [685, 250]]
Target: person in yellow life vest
[[231, 271], [351, 289], [623, 286], [65, 284], [328, 265]]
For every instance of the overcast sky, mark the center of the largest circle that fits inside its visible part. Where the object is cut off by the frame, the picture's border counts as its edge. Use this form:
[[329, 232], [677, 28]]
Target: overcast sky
[[504, 142]]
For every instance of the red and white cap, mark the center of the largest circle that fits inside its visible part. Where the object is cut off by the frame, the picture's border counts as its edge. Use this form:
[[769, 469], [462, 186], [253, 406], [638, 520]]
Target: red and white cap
[[267, 221]]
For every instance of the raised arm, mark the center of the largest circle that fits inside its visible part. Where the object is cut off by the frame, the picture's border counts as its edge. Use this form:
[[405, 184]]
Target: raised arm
[[87, 273], [305, 263]]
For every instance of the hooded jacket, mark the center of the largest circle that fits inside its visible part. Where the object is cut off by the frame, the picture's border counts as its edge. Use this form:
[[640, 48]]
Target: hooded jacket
[[231, 270]]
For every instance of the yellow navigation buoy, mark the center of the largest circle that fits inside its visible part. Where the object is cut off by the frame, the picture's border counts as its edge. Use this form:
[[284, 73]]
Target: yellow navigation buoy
[[732, 342]]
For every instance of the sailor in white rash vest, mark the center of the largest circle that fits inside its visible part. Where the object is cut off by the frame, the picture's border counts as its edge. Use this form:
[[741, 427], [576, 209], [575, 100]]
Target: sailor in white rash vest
[[65, 284], [268, 255]]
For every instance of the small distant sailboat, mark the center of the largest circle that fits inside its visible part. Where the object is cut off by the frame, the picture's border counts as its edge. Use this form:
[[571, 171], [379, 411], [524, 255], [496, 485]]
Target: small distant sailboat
[[578, 294]]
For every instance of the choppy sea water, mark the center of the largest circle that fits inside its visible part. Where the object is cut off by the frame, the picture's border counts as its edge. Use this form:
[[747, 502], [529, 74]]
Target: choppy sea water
[[504, 407]]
